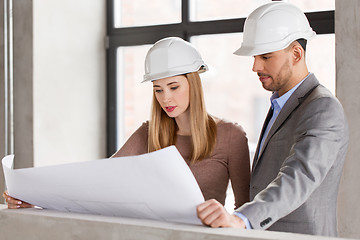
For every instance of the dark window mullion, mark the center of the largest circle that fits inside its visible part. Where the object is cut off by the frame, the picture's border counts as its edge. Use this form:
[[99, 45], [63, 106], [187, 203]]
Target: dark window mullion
[[110, 17], [132, 36], [216, 26], [111, 85], [111, 102], [322, 22], [185, 18]]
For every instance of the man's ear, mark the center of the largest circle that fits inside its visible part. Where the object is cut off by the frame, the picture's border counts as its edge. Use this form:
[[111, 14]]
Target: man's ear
[[298, 53]]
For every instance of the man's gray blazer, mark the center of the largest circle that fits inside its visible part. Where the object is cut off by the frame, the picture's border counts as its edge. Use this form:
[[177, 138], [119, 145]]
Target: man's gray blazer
[[296, 174]]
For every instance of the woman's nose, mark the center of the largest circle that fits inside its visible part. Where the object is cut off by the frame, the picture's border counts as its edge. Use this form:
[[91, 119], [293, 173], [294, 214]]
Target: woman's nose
[[167, 96]]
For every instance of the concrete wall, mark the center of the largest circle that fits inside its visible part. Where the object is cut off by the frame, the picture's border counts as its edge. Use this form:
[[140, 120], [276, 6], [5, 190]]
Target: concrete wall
[[347, 36], [46, 224], [2, 99], [69, 80], [23, 84]]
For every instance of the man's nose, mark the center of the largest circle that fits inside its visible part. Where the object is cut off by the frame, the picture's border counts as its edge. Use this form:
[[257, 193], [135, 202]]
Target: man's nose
[[257, 66]]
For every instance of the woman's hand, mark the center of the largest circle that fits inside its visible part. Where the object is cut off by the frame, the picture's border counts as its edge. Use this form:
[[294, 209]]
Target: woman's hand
[[14, 203]]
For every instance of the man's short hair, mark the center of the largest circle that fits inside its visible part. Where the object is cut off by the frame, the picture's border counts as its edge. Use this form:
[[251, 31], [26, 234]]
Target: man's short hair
[[302, 42]]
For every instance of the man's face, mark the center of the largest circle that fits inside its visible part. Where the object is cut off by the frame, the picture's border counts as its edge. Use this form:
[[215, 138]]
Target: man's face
[[275, 70]]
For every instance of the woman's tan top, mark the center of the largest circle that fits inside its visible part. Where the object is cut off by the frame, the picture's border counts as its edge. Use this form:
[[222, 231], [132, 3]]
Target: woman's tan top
[[229, 160]]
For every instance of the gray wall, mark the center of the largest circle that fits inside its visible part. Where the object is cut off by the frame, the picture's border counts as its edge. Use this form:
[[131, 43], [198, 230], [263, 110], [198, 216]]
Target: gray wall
[[347, 37], [69, 80], [22, 85], [2, 100]]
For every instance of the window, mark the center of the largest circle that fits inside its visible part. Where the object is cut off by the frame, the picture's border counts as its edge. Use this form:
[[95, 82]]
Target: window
[[136, 107], [203, 10], [232, 90], [215, 28], [129, 13], [312, 6]]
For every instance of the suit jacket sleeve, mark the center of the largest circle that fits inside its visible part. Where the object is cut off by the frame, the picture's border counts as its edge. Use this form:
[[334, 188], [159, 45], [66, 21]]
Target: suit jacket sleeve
[[320, 136]]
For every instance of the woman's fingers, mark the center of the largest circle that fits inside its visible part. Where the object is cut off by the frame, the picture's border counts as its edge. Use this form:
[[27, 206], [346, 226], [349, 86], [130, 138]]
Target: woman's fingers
[[14, 203]]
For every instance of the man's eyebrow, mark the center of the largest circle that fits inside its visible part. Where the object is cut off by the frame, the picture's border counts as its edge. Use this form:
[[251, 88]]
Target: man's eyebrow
[[266, 54]]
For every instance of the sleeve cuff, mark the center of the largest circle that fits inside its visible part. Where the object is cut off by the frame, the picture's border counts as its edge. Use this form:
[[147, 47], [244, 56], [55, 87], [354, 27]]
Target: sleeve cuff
[[245, 219]]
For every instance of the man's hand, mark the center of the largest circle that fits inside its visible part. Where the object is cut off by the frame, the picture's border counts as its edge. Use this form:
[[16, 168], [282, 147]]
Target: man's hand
[[213, 214]]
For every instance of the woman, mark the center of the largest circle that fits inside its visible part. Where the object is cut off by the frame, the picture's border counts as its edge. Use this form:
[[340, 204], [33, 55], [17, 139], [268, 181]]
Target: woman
[[214, 149]]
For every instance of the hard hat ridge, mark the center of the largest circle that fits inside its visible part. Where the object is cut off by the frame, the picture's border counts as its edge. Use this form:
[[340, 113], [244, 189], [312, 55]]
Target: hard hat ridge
[[272, 27], [172, 56]]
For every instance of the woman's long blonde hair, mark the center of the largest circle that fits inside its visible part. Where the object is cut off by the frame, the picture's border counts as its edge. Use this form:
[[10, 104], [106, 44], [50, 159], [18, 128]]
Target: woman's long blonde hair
[[162, 128]]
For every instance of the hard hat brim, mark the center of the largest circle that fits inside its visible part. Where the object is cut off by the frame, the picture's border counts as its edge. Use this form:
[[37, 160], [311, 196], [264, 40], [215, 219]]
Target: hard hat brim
[[260, 49], [152, 77]]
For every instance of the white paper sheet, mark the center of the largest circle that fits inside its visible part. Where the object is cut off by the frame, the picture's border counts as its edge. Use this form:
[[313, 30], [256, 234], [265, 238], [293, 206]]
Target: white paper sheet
[[157, 185]]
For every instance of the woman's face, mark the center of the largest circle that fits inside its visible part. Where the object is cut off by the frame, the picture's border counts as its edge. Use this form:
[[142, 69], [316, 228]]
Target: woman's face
[[172, 93]]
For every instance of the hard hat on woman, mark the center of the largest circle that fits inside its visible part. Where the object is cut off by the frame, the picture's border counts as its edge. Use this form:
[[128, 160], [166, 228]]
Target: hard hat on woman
[[172, 56]]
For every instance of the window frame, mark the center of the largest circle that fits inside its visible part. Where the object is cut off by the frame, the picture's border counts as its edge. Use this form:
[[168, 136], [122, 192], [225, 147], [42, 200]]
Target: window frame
[[323, 22]]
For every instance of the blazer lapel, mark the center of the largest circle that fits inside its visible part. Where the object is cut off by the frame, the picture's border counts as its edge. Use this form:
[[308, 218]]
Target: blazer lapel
[[292, 103], [267, 120]]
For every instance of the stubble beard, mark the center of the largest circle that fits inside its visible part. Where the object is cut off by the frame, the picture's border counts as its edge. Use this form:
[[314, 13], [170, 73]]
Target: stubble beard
[[281, 79]]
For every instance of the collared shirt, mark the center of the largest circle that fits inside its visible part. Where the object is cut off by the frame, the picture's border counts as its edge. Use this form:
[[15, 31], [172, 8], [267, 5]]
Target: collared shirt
[[277, 103], [245, 219]]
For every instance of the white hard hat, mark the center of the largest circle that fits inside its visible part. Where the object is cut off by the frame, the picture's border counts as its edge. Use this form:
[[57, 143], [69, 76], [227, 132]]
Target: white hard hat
[[272, 27], [172, 56]]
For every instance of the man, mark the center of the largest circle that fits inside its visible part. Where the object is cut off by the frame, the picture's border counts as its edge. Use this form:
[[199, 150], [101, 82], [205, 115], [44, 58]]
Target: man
[[302, 146]]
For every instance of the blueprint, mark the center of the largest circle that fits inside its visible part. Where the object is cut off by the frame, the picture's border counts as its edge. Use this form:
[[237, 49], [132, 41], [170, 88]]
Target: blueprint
[[157, 185]]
